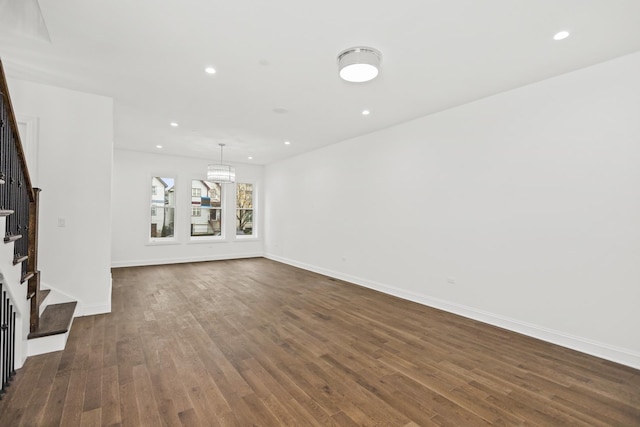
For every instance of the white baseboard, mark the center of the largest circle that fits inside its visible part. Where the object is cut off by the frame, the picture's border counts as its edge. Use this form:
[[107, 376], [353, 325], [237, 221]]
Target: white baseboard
[[57, 296], [90, 310], [605, 351], [144, 262]]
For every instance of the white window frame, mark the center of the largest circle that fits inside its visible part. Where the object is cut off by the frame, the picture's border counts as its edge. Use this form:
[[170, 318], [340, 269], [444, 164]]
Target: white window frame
[[162, 240], [205, 211], [254, 209]]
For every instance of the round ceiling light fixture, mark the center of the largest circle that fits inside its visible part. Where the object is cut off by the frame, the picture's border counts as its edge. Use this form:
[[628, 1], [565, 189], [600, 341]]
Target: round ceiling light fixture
[[359, 64]]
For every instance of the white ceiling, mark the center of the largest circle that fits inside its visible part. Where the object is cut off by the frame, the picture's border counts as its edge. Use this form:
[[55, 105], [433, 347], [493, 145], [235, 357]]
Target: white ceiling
[[150, 55]]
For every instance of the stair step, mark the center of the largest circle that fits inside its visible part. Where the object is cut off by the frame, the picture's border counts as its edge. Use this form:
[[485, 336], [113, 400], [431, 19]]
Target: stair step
[[18, 260], [42, 295], [28, 275], [5, 212], [8, 239], [56, 319]]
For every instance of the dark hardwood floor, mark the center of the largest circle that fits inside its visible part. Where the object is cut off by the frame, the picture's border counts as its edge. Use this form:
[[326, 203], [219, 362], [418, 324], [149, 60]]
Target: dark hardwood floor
[[255, 342]]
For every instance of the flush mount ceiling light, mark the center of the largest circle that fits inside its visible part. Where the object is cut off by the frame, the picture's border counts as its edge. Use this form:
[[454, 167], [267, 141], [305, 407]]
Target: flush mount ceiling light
[[221, 173], [359, 64], [561, 35]]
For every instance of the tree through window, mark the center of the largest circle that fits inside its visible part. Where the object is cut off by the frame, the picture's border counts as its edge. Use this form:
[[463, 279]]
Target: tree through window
[[244, 209]]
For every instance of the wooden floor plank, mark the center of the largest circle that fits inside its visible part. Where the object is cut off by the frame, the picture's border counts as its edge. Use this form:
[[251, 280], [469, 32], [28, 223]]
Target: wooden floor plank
[[256, 342]]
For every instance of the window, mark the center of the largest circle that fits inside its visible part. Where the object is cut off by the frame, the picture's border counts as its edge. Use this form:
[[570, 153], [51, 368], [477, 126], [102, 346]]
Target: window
[[163, 196], [206, 208], [244, 209]]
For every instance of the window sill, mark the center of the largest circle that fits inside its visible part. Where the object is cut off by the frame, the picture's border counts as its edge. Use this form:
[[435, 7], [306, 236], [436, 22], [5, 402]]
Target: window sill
[[246, 238], [159, 242], [198, 241]]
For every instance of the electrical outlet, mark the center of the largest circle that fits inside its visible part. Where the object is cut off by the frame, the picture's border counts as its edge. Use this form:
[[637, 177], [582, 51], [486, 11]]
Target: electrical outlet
[[62, 222]]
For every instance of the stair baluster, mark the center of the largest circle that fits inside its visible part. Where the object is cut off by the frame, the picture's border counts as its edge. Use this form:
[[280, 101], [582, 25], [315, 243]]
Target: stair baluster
[[8, 341]]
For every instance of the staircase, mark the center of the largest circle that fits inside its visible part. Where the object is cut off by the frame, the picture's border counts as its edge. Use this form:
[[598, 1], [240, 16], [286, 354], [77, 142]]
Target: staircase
[[39, 327]]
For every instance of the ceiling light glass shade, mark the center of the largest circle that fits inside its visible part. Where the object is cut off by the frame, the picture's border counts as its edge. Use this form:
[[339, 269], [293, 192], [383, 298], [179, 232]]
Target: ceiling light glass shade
[[224, 174], [221, 173], [359, 64]]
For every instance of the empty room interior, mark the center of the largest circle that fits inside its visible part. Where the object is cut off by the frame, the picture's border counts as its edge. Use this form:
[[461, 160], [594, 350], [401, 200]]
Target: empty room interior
[[345, 213]]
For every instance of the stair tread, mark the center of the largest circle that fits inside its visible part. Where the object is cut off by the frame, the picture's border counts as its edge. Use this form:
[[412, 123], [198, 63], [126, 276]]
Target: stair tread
[[42, 294], [18, 259], [9, 239], [56, 319]]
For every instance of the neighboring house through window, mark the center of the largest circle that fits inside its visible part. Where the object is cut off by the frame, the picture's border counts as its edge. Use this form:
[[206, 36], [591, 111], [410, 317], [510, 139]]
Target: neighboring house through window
[[206, 209], [163, 194]]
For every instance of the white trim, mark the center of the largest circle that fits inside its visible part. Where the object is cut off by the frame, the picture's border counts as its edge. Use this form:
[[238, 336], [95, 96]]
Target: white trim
[[199, 240], [90, 310], [56, 297], [50, 343], [47, 344], [254, 204], [158, 242], [144, 262], [30, 142], [605, 351], [245, 238], [151, 241]]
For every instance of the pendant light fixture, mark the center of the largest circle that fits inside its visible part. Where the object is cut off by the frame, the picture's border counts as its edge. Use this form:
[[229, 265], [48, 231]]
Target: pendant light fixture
[[221, 173], [359, 64]]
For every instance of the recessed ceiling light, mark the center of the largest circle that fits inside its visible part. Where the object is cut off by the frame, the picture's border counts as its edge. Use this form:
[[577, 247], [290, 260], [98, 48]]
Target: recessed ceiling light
[[173, 124], [250, 158], [287, 143], [561, 35], [158, 146], [210, 70], [366, 112]]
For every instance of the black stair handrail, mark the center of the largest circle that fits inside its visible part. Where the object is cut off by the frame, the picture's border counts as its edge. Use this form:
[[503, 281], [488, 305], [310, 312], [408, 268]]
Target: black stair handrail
[[17, 192]]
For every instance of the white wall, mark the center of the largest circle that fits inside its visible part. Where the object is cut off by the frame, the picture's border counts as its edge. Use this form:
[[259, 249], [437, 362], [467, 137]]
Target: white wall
[[75, 145], [529, 201], [131, 209]]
